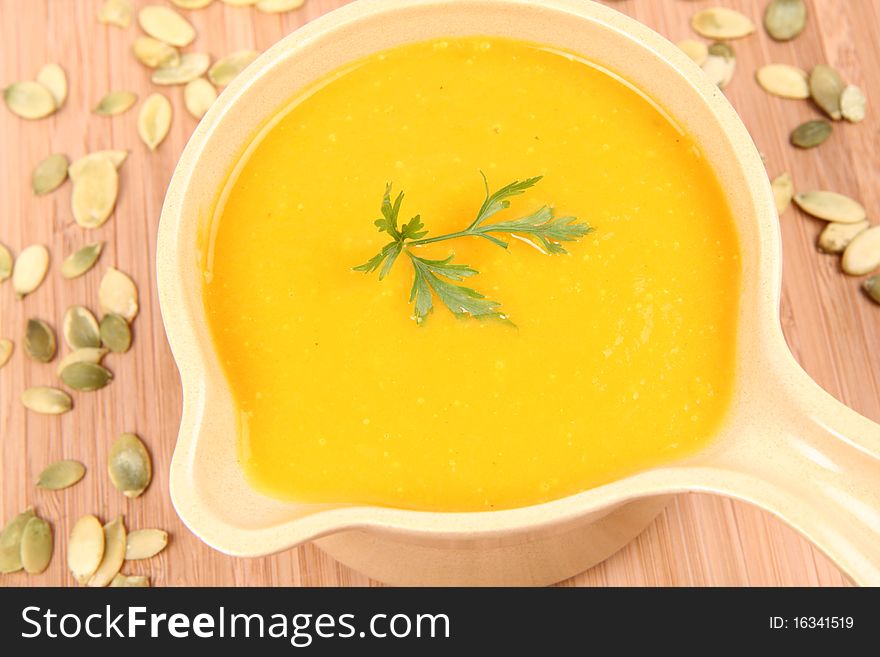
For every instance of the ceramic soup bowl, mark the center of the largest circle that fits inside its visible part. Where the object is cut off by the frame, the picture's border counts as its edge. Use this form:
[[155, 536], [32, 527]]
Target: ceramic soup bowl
[[785, 445]]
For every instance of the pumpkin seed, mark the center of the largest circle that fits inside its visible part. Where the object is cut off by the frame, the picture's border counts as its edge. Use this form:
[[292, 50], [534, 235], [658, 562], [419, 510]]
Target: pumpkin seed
[[225, 69], [86, 377], [239, 3], [95, 188], [61, 474], [784, 81], [36, 546], [39, 341], [118, 295], [862, 255], [191, 4], [836, 237], [811, 133], [45, 400], [29, 100], [49, 174], [10, 541], [54, 79], [85, 548], [115, 333], [5, 351], [721, 23], [153, 53], [831, 206], [30, 269], [154, 120], [872, 288], [826, 87], [167, 25], [696, 50], [190, 66], [720, 68], [114, 553], [783, 190], [129, 465], [278, 6], [130, 581], [785, 19], [116, 12], [86, 355], [116, 158], [81, 260], [852, 104], [198, 96], [5, 263], [115, 102], [80, 328], [145, 543]]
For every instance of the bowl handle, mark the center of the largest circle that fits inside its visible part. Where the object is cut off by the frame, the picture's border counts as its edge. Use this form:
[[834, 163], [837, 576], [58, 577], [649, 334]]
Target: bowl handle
[[814, 463]]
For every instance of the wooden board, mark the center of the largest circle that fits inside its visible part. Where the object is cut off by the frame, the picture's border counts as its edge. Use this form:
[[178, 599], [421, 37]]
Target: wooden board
[[699, 540]]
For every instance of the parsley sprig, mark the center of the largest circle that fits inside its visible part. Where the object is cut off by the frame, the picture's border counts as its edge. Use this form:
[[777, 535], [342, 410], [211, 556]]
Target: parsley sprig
[[441, 278]]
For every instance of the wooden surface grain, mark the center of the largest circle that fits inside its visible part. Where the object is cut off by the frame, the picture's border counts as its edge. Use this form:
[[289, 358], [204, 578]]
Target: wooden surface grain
[[699, 540]]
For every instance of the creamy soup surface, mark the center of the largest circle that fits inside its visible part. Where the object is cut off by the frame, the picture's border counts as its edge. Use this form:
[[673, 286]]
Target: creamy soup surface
[[622, 357]]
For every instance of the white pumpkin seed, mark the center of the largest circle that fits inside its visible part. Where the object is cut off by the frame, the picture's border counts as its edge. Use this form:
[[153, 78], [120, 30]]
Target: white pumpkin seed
[[29, 100], [225, 69], [115, 333], [39, 341], [118, 295], [167, 25], [130, 581], [85, 355], [872, 288], [696, 50], [154, 120], [720, 68], [86, 377], [129, 465], [95, 188], [81, 260], [862, 256], [116, 12], [30, 269], [198, 96], [191, 4], [114, 553], [278, 6], [49, 174], [153, 53], [45, 400], [116, 158], [115, 102], [826, 87], [85, 548], [10, 541], [5, 263], [836, 237], [190, 66], [61, 474], [831, 206], [6, 348], [721, 23], [54, 79], [783, 190], [852, 104], [784, 81], [145, 543], [36, 546], [811, 133], [80, 328], [785, 19]]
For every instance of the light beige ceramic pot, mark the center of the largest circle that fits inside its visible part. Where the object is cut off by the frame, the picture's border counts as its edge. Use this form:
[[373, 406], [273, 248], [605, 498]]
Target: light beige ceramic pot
[[785, 446]]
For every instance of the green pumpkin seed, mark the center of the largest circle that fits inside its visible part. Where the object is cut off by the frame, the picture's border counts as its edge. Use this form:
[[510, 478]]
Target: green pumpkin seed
[[836, 237], [784, 81], [10, 541], [167, 25], [116, 12], [831, 206], [95, 188], [721, 23], [5, 263], [225, 69], [852, 104], [785, 19], [145, 543], [80, 166], [39, 341], [61, 474], [86, 355], [54, 79], [5, 351], [826, 87], [783, 190], [191, 4], [872, 288], [129, 465], [191, 66], [154, 53], [30, 269], [114, 553], [115, 333], [130, 581], [45, 400], [36, 546], [81, 260], [85, 548], [862, 255], [278, 6], [80, 328], [49, 174], [198, 96], [154, 120], [118, 295], [115, 102], [86, 377], [29, 100], [696, 50], [811, 133]]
